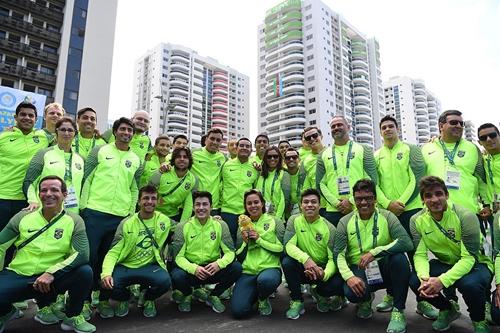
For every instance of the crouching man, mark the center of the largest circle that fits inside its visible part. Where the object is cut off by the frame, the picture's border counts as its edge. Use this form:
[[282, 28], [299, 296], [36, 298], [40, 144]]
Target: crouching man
[[52, 254], [204, 254], [369, 249], [136, 257], [309, 256]]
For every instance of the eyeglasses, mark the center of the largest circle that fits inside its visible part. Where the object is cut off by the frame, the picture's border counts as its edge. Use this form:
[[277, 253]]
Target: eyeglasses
[[313, 136], [455, 122], [291, 157], [68, 130], [368, 198], [491, 135], [273, 157]]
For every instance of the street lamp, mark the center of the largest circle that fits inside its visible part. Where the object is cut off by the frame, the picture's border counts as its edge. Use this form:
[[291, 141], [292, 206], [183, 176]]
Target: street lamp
[[170, 107]]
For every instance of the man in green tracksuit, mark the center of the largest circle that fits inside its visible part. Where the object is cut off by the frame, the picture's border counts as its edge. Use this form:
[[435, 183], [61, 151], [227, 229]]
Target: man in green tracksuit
[[176, 186], [399, 167], [180, 141], [204, 254], [207, 166], [457, 161], [52, 255], [140, 142], [86, 138], [451, 233], [17, 148], [309, 256], [293, 182], [162, 149], [339, 167], [136, 257], [369, 250], [110, 188], [238, 176], [261, 144]]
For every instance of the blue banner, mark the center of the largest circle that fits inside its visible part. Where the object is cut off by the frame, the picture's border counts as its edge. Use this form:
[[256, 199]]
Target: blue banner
[[10, 98]]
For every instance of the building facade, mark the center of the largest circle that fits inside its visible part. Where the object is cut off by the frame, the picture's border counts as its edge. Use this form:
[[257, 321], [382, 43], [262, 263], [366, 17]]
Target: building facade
[[61, 49], [186, 93], [415, 108], [313, 65], [470, 132]]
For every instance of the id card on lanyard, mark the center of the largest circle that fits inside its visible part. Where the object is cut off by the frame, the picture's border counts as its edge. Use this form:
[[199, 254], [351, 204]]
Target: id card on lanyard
[[372, 272], [496, 196], [343, 186], [269, 204], [452, 176], [71, 200]]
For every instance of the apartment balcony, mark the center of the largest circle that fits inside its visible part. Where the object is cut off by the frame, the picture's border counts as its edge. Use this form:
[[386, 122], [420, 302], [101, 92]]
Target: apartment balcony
[[180, 67], [288, 47], [285, 58], [361, 90], [220, 126], [362, 108], [26, 50], [196, 122], [220, 83], [219, 105], [362, 99], [420, 105], [219, 120], [359, 64], [176, 99], [363, 126], [220, 75], [176, 116], [27, 5], [220, 90], [220, 98], [297, 119], [361, 80], [178, 91], [363, 118], [360, 71], [287, 110], [219, 113], [179, 74], [20, 72], [364, 137], [421, 98], [285, 131], [296, 66], [286, 99], [27, 27], [178, 124], [180, 59]]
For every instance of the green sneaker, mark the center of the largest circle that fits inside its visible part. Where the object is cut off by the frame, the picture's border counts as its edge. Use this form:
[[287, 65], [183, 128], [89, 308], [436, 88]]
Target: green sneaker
[[226, 295], [426, 310], [322, 304], [121, 309], [95, 298], [296, 309], [216, 304], [265, 308], [444, 319], [105, 310], [141, 299], [386, 305], [397, 323], [487, 313], [364, 310], [149, 310], [200, 294], [58, 313], [86, 310], [338, 303], [185, 304], [77, 324], [481, 327], [46, 316], [176, 296], [12, 314], [21, 305], [60, 303]]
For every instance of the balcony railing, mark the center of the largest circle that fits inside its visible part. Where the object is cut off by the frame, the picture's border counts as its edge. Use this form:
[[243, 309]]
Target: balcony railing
[[26, 73], [23, 27]]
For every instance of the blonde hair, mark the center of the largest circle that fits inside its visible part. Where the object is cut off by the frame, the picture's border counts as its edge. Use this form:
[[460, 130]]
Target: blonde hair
[[54, 105]]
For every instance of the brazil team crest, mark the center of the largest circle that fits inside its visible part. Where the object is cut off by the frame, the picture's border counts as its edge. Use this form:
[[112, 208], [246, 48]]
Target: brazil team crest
[[266, 226], [141, 145], [187, 186], [461, 153], [162, 226], [219, 163], [451, 232], [128, 163], [36, 139], [399, 156], [78, 166], [58, 233], [249, 173], [213, 235], [318, 237]]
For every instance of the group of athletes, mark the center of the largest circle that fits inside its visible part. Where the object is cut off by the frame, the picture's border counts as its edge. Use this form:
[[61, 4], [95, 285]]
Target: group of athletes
[[89, 217]]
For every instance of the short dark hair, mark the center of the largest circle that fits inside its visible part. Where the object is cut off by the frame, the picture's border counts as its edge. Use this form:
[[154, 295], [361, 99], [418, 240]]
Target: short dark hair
[[388, 118], [365, 185], [147, 189], [82, 111], [310, 191], [307, 129], [214, 130], [64, 188], [262, 135], [241, 139], [259, 194], [122, 120], [66, 120], [180, 136], [428, 182], [202, 194], [203, 140], [284, 141], [487, 125], [177, 151], [24, 105], [265, 169], [292, 149], [161, 137], [443, 116]]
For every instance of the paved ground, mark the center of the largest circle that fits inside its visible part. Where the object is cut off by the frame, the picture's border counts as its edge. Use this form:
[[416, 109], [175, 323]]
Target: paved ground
[[203, 319]]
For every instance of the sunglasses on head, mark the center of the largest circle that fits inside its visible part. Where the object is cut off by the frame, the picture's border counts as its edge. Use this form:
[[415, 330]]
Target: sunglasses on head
[[456, 122], [313, 136], [491, 135]]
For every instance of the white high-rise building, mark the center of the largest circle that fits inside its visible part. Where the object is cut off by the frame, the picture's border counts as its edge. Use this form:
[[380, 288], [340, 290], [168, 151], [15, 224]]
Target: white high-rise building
[[415, 108], [470, 131], [313, 65], [186, 93]]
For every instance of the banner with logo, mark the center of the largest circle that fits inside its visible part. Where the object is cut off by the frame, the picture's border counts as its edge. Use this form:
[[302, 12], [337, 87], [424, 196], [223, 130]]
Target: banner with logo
[[10, 98]]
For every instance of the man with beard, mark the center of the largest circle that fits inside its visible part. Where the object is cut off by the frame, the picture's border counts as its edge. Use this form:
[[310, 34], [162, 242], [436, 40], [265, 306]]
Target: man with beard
[[109, 193], [339, 167], [86, 138]]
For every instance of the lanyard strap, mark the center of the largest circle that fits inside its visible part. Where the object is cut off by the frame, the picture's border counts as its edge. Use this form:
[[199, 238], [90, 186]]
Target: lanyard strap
[[374, 232], [348, 162], [300, 184], [68, 173], [490, 171], [150, 235], [176, 186], [272, 185], [445, 233], [450, 155], [77, 143], [39, 232]]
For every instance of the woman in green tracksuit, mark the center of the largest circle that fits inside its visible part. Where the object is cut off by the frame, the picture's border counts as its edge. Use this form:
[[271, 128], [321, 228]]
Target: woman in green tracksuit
[[58, 160], [259, 251], [269, 182]]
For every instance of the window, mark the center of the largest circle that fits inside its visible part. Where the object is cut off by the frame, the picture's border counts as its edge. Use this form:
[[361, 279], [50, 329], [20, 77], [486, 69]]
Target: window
[[312, 122], [51, 49], [38, 23], [14, 38], [73, 95], [8, 83], [10, 60], [52, 28], [34, 44], [309, 37], [3, 34], [47, 70], [312, 111], [312, 100], [310, 57], [4, 11], [310, 89], [29, 88], [310, 68], [32, 66]]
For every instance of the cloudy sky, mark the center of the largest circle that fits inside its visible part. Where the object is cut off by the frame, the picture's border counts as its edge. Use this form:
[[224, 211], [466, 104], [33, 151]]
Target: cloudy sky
[[453, 45]]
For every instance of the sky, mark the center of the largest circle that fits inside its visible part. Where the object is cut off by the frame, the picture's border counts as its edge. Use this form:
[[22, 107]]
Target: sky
[[453, 45]]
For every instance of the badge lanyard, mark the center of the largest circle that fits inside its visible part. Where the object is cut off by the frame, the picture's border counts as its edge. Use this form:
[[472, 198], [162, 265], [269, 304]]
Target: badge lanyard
[[490, 171], [348, 162], [176, 186], [77, 143], [272, 185], [445, 233], [153, 240], [68, 173], [374, 232], [450, 156]]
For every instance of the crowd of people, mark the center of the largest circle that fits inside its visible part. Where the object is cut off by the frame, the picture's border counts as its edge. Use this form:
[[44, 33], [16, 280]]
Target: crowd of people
[[89, 217]]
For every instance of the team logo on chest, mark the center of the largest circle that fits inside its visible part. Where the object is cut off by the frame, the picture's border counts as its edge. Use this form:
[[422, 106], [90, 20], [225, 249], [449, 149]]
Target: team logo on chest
[[219, 163], [213, 235], [162, 226], [451, 232], [318, 237], [78, 166], [461, 153], [141, 145], [399, 156], [249, 173], [58, 233], [187, 186], [36, 139], [266, 226], [128, 163]]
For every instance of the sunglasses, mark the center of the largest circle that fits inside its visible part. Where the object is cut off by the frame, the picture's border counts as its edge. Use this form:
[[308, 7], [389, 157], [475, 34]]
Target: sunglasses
[[311, 137], [368, 198], [273, 157], [456, 122], [292, 157], [491, 135]]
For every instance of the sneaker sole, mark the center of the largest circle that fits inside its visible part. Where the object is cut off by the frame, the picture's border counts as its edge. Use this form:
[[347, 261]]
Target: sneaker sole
[[396, 332], [449, 324], [365, 317], [105, 317], [66, 327], [298, 316], [45, 322], [424, 315], [384, 309], [121, 315], [149, 316], [213, 307]]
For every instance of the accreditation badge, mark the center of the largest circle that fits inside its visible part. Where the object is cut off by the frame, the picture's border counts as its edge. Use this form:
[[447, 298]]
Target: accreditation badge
[[373, 275], [343, 185], [452, 179], [269, 208], [71, 200], [295, 209]]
